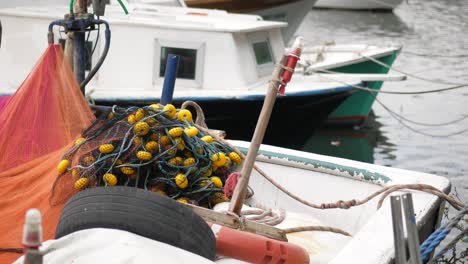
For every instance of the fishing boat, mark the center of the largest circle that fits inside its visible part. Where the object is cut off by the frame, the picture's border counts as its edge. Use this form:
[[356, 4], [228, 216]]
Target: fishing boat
[[352, 59], [312, 177], [292, 12], [384, 5], [341, 58], [251, 46], [225, 62]]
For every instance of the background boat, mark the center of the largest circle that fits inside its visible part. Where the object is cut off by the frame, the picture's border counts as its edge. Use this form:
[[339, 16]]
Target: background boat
[[386, 5]]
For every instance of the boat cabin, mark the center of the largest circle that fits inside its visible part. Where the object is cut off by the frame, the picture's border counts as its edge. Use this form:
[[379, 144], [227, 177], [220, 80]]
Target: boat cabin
[[214, 46]]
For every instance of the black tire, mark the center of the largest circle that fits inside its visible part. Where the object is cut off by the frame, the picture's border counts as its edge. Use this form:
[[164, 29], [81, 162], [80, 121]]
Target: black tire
[[141, 212]]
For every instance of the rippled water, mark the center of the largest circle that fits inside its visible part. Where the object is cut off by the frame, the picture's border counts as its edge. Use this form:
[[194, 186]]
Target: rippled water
[[434, 35]]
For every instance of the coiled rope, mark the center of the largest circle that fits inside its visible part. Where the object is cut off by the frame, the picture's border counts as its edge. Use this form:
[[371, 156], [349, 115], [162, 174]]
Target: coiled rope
[[435, 238]]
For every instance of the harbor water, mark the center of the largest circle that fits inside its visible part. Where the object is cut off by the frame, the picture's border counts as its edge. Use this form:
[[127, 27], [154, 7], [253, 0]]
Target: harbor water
[[434, 37]]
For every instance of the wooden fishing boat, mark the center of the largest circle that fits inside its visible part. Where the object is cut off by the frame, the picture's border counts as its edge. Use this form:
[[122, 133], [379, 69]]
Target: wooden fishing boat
[[315, 178], [385, 5]]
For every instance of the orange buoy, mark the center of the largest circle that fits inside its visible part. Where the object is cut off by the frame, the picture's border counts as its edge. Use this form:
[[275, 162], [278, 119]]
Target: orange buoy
[[254, 248]]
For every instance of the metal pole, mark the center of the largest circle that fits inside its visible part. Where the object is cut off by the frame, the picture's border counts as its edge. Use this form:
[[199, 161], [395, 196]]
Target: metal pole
[[170, 76], [411, 229], [398, 232], [79, 63]]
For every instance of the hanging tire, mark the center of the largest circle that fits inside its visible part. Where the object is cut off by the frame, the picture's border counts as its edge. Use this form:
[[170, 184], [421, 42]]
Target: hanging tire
[[141, 212]]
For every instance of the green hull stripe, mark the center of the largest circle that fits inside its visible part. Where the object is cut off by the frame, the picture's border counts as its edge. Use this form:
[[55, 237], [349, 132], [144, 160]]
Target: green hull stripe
[[360, 103]]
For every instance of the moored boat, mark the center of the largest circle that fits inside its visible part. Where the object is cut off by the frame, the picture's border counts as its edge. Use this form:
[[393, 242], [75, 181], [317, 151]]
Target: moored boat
[[228, 82], [354, 59], [385, 5], [315, 178]]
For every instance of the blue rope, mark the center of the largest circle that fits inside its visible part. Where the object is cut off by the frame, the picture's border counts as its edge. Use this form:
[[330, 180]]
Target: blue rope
[[432, 242], [439, 235]]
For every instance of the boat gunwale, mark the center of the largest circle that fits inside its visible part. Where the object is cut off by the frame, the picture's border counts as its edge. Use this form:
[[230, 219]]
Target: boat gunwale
[[377, 55]]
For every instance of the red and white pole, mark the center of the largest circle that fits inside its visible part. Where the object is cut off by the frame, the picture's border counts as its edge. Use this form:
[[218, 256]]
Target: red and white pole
[[291, 61]]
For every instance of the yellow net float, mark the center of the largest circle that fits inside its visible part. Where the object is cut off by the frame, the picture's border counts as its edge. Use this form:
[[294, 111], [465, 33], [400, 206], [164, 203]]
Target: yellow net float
[[110, 115], [151, 121], [127, 170], [235, 158], [207, 139], [180, 143], [219, 159], [137, 141], [75, 174], [106, 148], [171, 110], [144, 155], [110, 179], [79, 140], [217, 182], [81, 183], [165, 140], [154, 137], [155, 106], [131, 119], [176, 161], [189, 162], [191, 131], [183, 200], [218, 197], [175, 132], [152, 146], [139, 114], [88, 160], [181, 181], [141, 128], [172, 151], [63, 166], [184, 115]]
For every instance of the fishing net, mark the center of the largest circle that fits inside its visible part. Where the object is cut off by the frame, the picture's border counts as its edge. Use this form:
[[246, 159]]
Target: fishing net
[[37, 124], [157, 148]]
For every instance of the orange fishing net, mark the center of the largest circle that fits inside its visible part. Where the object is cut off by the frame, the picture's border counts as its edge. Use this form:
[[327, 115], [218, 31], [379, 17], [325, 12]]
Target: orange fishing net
[[37, 125]]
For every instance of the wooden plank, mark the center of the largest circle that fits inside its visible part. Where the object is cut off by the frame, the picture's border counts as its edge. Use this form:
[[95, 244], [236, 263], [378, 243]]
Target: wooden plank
[[233, 222]]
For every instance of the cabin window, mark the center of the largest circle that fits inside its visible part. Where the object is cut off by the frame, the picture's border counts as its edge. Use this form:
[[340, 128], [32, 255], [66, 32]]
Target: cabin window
[[187, 62], [262, 52], [89, 46]]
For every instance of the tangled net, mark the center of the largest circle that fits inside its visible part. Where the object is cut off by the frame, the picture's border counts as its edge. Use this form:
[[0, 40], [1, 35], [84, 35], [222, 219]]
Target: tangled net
[[157, 148]]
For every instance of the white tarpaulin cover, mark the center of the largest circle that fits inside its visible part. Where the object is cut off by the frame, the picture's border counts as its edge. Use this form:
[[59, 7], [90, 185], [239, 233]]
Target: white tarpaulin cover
[[111, 246]]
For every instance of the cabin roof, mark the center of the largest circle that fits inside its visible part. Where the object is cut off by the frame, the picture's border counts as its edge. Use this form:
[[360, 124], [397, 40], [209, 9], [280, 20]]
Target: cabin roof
[[162, 17]]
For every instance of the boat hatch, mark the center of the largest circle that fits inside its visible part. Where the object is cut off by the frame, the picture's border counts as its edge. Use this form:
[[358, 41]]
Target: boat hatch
[[190, 69], [262, 52]]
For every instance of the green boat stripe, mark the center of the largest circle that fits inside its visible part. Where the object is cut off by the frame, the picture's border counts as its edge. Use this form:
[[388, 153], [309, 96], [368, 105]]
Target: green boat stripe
[[352, 172]]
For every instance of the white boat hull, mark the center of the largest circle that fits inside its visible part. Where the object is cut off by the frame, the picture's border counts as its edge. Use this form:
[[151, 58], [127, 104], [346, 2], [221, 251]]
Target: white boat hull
[[315, 178], [359, 4]]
